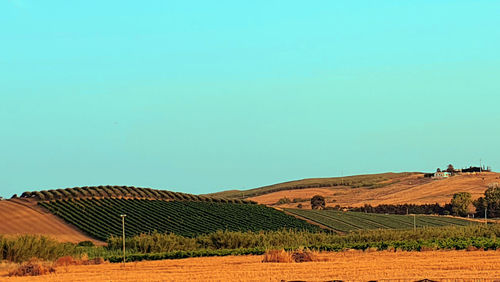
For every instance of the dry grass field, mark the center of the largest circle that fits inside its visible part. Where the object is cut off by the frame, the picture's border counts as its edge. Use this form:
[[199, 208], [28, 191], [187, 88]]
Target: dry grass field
[[355, 265], [411, 189], [24, 217]]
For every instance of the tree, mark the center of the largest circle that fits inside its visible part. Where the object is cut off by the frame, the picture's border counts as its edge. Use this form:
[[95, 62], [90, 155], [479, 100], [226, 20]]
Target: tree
[[460, 203], [492, 199], [299, 206], [317, 202], [450, 168]]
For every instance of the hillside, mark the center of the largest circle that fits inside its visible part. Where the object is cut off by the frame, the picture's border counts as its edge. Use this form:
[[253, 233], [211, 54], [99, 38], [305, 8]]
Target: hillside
[[395, 189], [125, 192], [368, 181], [24, 217], [100, 218], [76, 214]]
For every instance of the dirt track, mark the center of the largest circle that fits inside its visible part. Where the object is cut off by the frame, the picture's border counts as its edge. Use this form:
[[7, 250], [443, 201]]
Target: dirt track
[[24, 217]]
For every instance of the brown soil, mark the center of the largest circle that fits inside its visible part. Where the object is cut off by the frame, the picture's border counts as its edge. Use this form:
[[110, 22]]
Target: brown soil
[[412, 189], [19, 216]]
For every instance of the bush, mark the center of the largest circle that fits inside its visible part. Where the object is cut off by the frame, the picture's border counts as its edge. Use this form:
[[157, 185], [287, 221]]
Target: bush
[[86, 244], [25, 247], [32, 268], [318, 202], [283, 201]]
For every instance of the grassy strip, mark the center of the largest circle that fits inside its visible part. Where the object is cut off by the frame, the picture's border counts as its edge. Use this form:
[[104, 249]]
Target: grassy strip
[[410, 245], [221, 243], [188, 254], [25, 247]]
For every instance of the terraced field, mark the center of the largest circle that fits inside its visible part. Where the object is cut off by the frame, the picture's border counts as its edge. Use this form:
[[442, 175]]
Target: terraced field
[[100, 218], [350, 221]]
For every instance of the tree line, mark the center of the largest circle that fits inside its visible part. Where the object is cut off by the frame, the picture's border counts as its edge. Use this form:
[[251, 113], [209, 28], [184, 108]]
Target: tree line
[[461, 205]]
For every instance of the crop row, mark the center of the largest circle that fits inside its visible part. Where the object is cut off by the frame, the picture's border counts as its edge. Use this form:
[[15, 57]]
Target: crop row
[[349, 221], [121, 192], [100, 218]]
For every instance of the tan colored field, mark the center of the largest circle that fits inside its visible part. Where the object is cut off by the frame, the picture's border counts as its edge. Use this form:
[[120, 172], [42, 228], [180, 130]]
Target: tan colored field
[[435, 265], [412, 189], [24, 217]]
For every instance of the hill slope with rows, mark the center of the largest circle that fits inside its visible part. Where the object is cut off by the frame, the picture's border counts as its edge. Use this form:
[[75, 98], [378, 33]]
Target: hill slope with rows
[[100, 218], [369, 181], [351, 221], [128, 192]]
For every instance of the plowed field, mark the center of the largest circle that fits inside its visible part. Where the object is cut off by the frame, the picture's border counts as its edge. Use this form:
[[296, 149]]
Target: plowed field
[[24, 217]]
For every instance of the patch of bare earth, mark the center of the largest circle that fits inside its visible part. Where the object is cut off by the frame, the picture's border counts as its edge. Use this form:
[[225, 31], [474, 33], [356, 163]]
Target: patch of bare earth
[[25, 217]]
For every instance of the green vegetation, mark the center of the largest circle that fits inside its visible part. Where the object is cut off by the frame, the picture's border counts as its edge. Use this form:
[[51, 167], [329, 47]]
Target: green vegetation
[[100, 218], [318, 202], [490, 202], [349, 221], [460, 203], [220, 243], [167, 246], [25, 247], [356, 181], [129, 192]]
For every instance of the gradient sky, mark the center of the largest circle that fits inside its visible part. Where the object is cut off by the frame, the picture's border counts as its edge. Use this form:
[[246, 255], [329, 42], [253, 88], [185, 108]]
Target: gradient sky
[[202, 96]]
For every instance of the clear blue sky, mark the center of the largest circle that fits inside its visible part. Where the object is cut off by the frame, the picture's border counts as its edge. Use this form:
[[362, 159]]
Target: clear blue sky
[[202, 96]]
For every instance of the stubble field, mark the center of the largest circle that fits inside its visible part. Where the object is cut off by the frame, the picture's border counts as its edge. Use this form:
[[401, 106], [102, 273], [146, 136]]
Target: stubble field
[[350, 265], [413, 189]]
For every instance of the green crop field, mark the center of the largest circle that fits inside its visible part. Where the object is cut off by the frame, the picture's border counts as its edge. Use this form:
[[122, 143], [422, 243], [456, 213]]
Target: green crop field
[[100, 218], [350, 221]]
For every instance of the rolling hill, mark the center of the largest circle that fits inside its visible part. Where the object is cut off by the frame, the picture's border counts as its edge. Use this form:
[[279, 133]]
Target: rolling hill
[[355, 181], [376, 189], [78, 214]]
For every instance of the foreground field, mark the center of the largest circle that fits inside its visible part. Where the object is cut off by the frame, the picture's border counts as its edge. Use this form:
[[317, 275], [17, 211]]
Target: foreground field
[[435, 265], [411, 189], [349, 221]]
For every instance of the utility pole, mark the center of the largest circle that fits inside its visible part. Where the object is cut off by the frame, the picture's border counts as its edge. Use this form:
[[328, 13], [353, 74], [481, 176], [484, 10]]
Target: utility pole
[[123, 236], [485, 216], [414, 222]]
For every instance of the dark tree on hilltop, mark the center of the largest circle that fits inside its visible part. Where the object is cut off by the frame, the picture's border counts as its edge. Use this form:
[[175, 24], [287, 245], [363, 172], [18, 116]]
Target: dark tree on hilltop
[[318, 202], [450, 168]]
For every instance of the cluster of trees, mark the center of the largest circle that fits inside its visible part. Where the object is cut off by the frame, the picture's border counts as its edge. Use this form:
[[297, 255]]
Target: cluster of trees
[[461, 205], [406, 209], [490, 203]]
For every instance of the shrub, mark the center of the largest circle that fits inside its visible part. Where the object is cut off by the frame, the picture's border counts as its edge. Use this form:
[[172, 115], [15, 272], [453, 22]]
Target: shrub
[[283, 201], [277, 256], [86, 244], [32, 268], [318, 202]]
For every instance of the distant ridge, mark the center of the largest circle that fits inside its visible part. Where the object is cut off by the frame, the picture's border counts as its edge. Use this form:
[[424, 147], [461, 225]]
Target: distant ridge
[[355, 181], [128, 192]]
